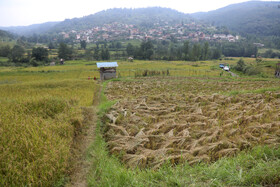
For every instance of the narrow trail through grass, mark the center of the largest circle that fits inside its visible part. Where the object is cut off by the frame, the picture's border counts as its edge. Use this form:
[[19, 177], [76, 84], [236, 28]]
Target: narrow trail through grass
[[78, 177]]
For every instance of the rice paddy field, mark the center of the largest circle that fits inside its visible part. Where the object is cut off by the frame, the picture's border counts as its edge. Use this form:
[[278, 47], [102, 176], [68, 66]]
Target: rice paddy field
[[40, 115], [195, 126]]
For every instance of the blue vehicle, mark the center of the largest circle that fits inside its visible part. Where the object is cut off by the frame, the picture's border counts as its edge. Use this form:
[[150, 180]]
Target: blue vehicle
[[222, 66]]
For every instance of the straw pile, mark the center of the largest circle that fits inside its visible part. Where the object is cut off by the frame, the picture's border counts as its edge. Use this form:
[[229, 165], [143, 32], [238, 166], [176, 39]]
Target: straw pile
[[155, 122]]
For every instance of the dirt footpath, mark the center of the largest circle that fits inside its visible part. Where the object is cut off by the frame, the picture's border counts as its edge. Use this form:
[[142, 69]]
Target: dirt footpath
[[78, 176], [233, 74]]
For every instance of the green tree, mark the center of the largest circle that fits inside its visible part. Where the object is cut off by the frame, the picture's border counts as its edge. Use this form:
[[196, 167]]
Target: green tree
[[119, 45], [83, 44], [89, 54], [205, 51], [130, 49], [146, 50], [240, 65], [105, 55], [172, 51], [196, 52], [17, 54], [216, 53], [186, 51], [40, 54], [96, 54], [64, 51], [51, 46], [5, 51]]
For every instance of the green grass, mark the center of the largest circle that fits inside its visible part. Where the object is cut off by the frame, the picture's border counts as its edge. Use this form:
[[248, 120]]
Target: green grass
[[263, 50], [7, 41], [259, 166], [3, 59], [105, 104]]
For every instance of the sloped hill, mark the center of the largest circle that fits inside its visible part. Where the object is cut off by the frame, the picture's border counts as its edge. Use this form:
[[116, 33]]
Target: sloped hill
[[253, 17], [141, 16], [144, 17], [6, 35], [31, 29]]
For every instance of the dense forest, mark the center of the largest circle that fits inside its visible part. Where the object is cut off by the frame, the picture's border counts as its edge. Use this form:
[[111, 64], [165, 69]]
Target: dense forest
[[6, 35], [31, 29], [144, 17], [253, 17]]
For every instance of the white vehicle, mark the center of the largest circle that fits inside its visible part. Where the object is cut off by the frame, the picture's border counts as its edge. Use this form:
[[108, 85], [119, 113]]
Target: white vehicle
[[226, 68]]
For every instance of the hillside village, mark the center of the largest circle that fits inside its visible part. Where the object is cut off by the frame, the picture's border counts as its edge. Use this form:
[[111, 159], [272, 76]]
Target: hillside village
[[159, 31]]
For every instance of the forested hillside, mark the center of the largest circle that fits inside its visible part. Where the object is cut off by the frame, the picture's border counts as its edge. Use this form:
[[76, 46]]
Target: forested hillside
[[5, 34], [253, 17], [31, 29], [144, 17]]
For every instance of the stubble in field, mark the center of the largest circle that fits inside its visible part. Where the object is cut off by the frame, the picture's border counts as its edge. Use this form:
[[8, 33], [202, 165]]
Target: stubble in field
[[158, 120]]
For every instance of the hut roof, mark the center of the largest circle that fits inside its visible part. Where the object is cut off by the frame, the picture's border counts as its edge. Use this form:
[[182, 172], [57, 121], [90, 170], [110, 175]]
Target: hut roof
[[106, 64]]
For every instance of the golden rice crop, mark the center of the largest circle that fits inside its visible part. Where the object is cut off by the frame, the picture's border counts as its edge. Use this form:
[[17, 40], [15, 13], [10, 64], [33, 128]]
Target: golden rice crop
[[40, 115]]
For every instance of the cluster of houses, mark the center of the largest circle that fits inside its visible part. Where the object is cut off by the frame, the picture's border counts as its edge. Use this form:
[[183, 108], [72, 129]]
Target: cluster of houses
[[159, 31]]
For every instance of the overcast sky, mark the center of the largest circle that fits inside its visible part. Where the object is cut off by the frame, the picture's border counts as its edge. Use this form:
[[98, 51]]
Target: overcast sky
[[27, 12]]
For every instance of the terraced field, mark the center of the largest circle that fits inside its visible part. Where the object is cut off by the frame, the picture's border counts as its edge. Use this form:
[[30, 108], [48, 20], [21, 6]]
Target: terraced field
[[195, 119]]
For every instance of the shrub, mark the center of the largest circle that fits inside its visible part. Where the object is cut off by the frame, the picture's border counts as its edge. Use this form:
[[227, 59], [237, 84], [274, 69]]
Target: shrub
[[249, 70], [240, 65]]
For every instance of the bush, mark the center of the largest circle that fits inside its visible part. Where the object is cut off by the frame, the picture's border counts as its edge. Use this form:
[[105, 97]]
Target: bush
[[240, 65], [249, 70]]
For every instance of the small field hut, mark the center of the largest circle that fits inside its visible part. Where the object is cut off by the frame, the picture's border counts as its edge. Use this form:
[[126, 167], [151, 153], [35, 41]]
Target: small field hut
[[108, 70], [277, 70]]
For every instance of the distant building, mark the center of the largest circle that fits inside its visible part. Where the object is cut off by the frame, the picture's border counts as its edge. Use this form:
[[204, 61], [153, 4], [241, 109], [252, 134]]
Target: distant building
[[259, 44], [108, 70]]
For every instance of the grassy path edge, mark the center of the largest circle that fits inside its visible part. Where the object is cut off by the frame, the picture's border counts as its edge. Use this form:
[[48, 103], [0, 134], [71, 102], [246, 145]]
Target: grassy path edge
[[78, 177]]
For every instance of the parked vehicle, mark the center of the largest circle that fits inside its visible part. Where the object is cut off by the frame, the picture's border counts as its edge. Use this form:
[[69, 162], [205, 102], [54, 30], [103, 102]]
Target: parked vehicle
[[222, 65], [226, 68]]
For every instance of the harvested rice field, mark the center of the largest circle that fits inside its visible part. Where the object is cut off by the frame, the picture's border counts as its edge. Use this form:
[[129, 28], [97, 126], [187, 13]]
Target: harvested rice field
[[156, 120]]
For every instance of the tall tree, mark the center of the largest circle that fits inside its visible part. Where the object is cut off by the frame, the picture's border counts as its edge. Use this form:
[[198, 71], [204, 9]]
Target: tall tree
[[216, 54], [186, 50], [89, 54], [17, 53], [196, 52], [119, 45], [5, 51], [83, 44], [40, 53], [205, 52], [96, 53], [130, 49], [64, 51], [147, 49], [51, 46], [105, 55]]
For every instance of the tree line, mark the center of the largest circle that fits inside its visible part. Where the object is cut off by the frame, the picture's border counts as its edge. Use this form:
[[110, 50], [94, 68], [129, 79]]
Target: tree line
[[146, 50], [165, 50]]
